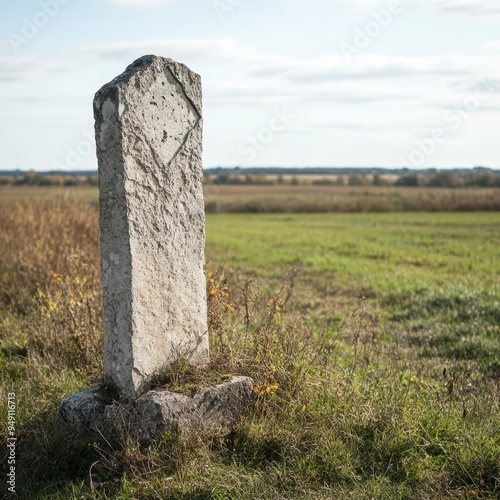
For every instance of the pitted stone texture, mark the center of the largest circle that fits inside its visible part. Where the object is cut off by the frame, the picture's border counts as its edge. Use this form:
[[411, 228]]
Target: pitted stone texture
[[162, 411], [83, 410], [149, 147], [221, 405]]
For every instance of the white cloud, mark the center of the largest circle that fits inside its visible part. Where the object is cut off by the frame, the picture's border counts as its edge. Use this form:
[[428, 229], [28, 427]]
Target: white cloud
[[140, 3], [375, 66], [459, 6], [336, 97], [191, 48], [320, 69], [366, 123], [494, 44], [367, 4], [240, 74], [15, 68], [469, 6]]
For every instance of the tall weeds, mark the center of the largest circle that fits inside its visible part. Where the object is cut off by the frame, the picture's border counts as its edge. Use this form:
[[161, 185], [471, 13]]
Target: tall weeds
[[51, 285]]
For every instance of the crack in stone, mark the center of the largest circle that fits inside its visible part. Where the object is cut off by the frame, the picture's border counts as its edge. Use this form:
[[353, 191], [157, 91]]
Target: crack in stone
[[188, 133]]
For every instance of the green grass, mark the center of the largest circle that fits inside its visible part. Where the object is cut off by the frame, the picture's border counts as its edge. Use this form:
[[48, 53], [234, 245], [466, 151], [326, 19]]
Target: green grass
[[375, 250], [434, 277], [396, 396]]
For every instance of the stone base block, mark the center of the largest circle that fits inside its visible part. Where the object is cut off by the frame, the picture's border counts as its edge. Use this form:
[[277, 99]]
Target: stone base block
[[160, 411]]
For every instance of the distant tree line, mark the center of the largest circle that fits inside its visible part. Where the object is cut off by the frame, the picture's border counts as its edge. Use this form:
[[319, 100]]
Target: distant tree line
[[445, 178], [228, 179], [36, 179], [442, 178]]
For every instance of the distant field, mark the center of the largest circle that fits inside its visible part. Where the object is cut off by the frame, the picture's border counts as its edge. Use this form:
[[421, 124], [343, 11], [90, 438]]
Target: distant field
[[307, 198], [310, 199], [82, 193]]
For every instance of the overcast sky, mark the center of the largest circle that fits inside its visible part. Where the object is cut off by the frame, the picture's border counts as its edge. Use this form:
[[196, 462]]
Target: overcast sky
[[286, 82]]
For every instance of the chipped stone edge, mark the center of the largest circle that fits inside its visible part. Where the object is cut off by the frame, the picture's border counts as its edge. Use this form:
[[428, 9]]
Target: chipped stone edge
[[160, 411]]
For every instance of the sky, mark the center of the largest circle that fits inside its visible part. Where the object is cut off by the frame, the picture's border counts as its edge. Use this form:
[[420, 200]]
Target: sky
[[298, 83]]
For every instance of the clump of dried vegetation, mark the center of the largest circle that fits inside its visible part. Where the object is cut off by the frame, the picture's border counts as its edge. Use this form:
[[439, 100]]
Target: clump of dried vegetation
[[342, 410]]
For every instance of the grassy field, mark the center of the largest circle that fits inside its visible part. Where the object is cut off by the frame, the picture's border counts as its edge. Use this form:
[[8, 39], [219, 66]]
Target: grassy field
[[21, 193], [376, 363]]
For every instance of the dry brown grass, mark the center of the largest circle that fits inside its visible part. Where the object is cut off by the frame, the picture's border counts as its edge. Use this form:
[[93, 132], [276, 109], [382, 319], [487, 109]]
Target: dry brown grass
[[50, 279], [311, 199], [306, 198]]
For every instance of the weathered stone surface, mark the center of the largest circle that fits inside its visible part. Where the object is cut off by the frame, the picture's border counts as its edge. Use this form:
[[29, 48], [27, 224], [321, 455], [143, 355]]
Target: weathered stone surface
[[83, 410], [221, 405], [149, 148], [161, 411]]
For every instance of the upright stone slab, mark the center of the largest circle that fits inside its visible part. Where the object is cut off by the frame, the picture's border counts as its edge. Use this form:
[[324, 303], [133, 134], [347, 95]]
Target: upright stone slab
[[152, 221], [148, 130]]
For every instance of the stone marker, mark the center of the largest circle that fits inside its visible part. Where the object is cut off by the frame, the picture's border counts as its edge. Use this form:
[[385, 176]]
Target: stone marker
[[152, 221]]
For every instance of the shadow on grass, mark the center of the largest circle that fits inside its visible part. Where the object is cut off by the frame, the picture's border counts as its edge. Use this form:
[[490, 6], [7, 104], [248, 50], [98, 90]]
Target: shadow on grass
[[50, 459]]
